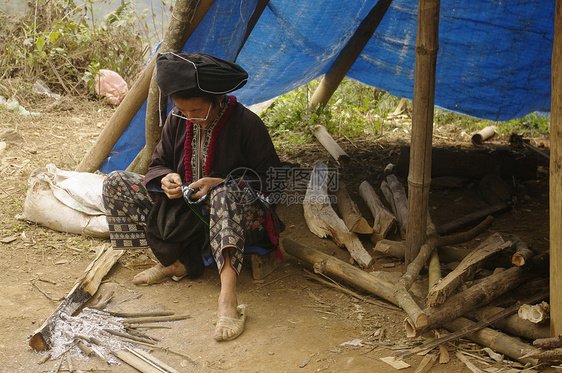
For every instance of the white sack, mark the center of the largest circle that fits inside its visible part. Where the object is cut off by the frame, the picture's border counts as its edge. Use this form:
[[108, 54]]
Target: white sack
[[66, 201]]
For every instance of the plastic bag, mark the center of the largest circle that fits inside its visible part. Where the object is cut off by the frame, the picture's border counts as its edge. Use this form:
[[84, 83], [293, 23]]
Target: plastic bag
[[66, 201], [42, 88], [111, 85]]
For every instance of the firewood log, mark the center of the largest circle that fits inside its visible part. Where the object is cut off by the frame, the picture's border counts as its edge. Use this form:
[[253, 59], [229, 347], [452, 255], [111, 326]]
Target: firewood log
[[395, 194], [536, 313], [384, 220], [349, 212], [467, 267], [323, 221], [478, 295], [522, 252]]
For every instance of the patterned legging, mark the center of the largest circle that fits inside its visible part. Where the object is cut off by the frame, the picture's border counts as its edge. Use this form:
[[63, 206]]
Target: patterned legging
[[233, 222]]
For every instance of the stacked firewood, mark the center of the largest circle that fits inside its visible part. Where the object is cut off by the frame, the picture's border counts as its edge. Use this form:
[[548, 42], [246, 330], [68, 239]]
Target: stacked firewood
[[450, 302]]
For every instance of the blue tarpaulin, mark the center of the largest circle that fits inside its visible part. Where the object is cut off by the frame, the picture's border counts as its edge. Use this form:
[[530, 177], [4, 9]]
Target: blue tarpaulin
[[494, 59]]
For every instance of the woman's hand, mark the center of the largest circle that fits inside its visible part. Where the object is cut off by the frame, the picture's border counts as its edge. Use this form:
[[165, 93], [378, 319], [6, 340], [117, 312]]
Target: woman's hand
[[171, 184], [203, 184]]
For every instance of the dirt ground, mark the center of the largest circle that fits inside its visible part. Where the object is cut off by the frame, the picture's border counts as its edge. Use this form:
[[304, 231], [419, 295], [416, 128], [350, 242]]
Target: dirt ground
[[294, 323]]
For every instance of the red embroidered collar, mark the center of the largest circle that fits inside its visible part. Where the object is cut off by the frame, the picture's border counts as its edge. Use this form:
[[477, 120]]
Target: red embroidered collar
[[212, 144]]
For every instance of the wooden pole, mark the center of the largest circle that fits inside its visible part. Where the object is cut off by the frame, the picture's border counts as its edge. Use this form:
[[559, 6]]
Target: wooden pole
[[327, 264], [419, 176], [556, 178], [349, 54], [138, 93], [512, 325]]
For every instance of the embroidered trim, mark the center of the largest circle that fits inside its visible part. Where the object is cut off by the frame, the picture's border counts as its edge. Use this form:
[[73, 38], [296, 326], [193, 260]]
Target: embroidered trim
[[212, 144]]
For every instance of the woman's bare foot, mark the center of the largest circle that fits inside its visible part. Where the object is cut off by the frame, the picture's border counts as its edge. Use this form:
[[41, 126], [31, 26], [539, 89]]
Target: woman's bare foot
[[227, 300], [159, 273]]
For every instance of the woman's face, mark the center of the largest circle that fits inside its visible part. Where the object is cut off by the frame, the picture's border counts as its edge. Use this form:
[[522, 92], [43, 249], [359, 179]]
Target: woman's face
[[196, 109]]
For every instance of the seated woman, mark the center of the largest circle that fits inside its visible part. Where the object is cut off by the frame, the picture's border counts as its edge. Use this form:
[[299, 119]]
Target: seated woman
[[212, 148]]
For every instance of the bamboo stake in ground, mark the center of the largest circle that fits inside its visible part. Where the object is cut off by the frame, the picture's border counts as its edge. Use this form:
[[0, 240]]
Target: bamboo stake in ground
[[419, 176], [555, 191]]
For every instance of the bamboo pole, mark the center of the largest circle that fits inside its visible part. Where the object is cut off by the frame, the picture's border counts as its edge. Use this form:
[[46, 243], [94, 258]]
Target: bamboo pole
[[419, 176], [349, 54], [556, 178], [324, 137], [136, 96]]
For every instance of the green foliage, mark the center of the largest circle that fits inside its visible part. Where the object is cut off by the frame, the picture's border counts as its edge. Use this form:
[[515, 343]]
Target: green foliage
[[354, 109], [537, 123], [66, 46], [358, 110]]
